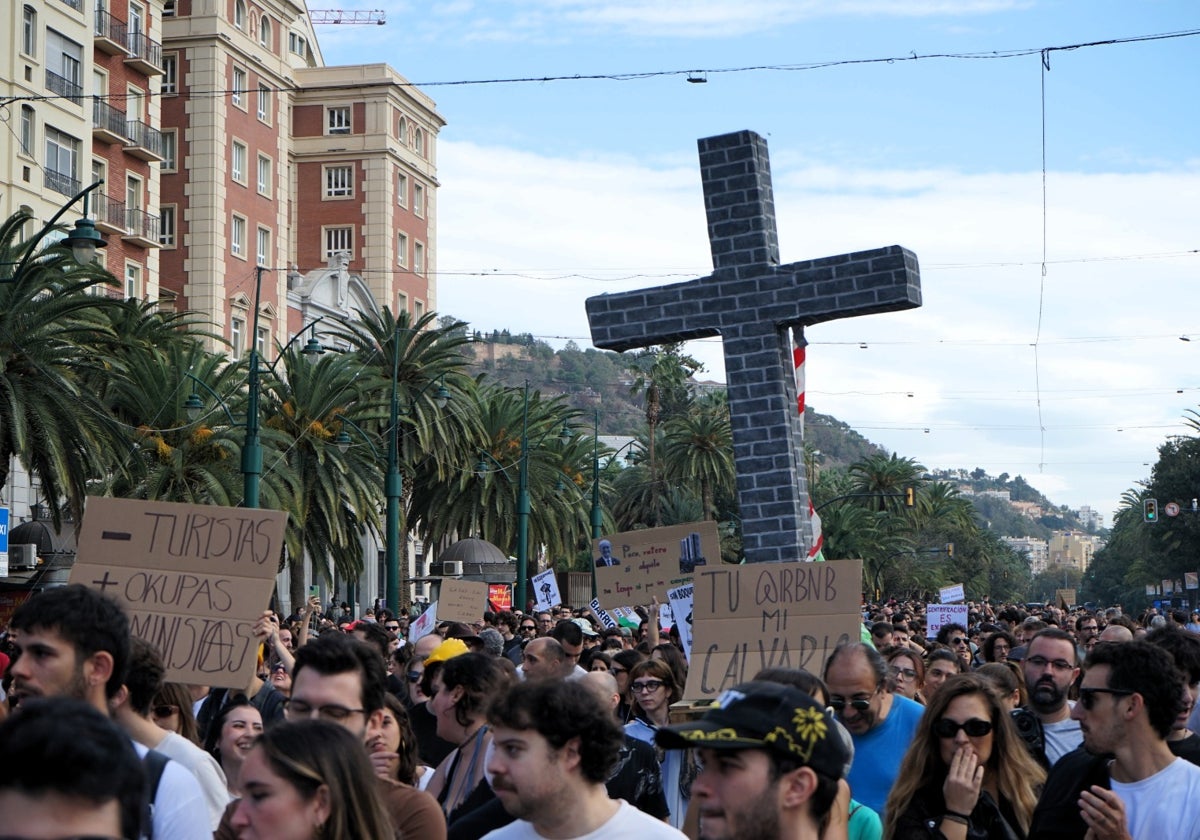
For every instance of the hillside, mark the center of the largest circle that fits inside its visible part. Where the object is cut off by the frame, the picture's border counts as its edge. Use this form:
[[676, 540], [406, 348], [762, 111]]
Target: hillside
[[597, 380]]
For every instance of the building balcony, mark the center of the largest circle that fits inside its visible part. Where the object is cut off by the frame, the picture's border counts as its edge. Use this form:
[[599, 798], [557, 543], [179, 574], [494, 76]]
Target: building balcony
[[62, 182], [109, 213], [63, 86], [111, 34], [144, 55], [141, 228], [144, 142], [108, 124]]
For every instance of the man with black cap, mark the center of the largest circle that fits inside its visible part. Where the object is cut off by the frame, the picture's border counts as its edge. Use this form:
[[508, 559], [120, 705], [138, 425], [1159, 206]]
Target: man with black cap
[[771, 759]]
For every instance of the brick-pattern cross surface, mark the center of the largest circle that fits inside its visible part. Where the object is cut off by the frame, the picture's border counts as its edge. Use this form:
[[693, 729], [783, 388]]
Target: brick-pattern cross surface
[[751, 301]]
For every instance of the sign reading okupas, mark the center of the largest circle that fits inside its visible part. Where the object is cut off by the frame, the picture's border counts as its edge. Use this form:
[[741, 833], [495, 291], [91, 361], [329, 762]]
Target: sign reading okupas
[[193, 579], [769, 615]]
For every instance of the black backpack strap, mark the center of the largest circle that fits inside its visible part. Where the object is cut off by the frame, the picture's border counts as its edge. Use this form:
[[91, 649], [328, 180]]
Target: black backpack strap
[[153, 766]]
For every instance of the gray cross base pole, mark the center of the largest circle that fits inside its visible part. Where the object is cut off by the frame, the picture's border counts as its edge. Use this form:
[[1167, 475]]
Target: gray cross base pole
[[751, 301]]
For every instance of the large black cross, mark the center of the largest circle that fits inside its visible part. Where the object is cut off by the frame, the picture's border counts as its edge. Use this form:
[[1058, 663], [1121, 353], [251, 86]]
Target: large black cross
[[751, 302]]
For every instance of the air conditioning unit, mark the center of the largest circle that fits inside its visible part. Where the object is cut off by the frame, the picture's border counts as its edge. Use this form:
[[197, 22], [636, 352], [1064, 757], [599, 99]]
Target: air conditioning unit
[[452, 568], [23, 556]]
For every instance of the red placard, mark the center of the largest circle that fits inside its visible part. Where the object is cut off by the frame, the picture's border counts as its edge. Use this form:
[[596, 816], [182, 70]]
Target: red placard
[[499, 597]]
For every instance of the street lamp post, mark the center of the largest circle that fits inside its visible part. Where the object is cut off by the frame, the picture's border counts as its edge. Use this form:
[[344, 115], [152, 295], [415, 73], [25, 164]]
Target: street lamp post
[[83, 240]]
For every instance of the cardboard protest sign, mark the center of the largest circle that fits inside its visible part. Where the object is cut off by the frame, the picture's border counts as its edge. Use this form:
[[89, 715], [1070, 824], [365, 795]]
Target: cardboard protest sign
[[952, 594], [680, 600], [649, 562], [1064, 596], [424, 624], [938, 616], [462, 600], [545, 589], [193, 579], [607, 620], [790, 615]]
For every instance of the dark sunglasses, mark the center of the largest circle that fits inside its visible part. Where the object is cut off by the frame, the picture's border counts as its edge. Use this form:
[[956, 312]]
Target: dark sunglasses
[[975, 728], [415, 676], [392, 627], [165, 711], [1087, 696], [859, 704], [528, 627], [958, 640]]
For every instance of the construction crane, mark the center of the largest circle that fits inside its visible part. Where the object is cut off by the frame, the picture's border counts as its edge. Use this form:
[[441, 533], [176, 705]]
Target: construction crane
[[340, 16]]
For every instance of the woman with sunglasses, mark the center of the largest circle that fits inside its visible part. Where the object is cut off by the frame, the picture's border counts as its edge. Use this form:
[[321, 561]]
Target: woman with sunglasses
[[967, 773], [652, 683]]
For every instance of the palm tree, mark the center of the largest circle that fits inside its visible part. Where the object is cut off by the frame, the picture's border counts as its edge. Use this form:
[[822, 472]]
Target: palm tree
[[662, 373], [423, 357], [50, 326], [338, 494], [885, 476], [699, 451]]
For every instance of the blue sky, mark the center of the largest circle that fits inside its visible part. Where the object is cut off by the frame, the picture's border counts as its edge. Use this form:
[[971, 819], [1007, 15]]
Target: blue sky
[[553, 191]]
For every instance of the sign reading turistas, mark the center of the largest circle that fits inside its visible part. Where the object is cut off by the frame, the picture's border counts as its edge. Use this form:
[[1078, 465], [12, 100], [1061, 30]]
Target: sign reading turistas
[[193, 579], [634, 566], [769, 615]]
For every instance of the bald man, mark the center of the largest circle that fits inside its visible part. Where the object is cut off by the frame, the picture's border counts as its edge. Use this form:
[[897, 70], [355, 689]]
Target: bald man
[[1116, 633], [636, 777]]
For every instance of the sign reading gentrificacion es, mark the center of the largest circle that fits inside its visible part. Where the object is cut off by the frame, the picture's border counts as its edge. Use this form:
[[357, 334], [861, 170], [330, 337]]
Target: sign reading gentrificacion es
[[769, 615], [193, 579]]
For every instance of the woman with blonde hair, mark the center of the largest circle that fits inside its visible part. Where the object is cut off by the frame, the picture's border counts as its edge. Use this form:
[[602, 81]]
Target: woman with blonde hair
[[309, 779], [966, 772]]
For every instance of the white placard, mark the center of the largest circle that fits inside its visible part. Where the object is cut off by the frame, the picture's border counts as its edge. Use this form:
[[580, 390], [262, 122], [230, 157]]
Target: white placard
[[680, 599], [545, 590], [952, 594], [607, 620], [425, 624], [938, 616]]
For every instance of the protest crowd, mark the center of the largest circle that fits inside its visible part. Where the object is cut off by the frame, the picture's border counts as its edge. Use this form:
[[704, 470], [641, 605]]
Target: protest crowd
[[1023, 721]]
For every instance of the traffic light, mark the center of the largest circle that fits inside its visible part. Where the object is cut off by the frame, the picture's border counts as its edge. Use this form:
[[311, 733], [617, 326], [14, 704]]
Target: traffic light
[[1150, 510], [910, 497]]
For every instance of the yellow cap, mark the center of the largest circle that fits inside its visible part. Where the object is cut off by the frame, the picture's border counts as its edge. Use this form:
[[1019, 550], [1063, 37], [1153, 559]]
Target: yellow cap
[[446, 650]]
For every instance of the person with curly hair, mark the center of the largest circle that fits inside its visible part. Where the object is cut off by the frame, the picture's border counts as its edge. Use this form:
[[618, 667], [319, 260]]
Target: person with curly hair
[[966, 773]]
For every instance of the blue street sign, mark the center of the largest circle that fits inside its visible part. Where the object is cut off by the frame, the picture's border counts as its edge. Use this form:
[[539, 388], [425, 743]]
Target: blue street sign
[[3, 530]]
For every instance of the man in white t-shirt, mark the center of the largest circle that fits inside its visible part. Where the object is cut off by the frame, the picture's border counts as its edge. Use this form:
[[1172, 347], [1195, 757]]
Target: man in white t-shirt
[[549, 770], [1131, 785]]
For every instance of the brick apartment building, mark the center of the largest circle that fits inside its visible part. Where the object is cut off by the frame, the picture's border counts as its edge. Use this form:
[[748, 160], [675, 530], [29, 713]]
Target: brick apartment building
[[226, 147]]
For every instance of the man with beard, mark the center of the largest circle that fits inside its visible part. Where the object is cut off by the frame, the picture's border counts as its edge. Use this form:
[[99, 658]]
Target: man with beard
[[1050, 667], [549, 770], [881, 723], [1126, 783], [771, 759]]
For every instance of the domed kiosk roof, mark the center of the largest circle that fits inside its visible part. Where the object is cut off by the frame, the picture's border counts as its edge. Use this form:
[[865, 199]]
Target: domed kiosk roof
[[472, 551]]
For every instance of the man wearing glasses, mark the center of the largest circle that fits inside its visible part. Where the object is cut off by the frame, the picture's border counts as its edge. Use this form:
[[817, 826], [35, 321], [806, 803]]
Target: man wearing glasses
[[880, 723], [1127, 783], [342, 680], [1050, 667]]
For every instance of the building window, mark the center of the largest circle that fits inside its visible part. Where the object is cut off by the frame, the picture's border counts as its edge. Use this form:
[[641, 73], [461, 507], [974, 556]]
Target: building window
[[418, 258], [418, 310], [262, 340], [168, 8], [133, 280], [402, 249], [237, 162], [62, 162], [402, 131], [237, 337], [402, 189], [137, 23], [264, 103], [133, 194], [297, 45], [419, 199], [239, 87], [28, 129], [402, 302], [64, 65], [166, 226], [419, 142], [29, 31], [264, 31], [339, 181], [263, 251], [170, 68], [337, 120], [264, 175], [169, 150], [237, 236], [338, 239], [239, 14]]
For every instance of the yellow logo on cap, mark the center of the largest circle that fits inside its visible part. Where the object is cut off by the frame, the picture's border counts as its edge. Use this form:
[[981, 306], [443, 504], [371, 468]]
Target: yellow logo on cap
[[809, 728]]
